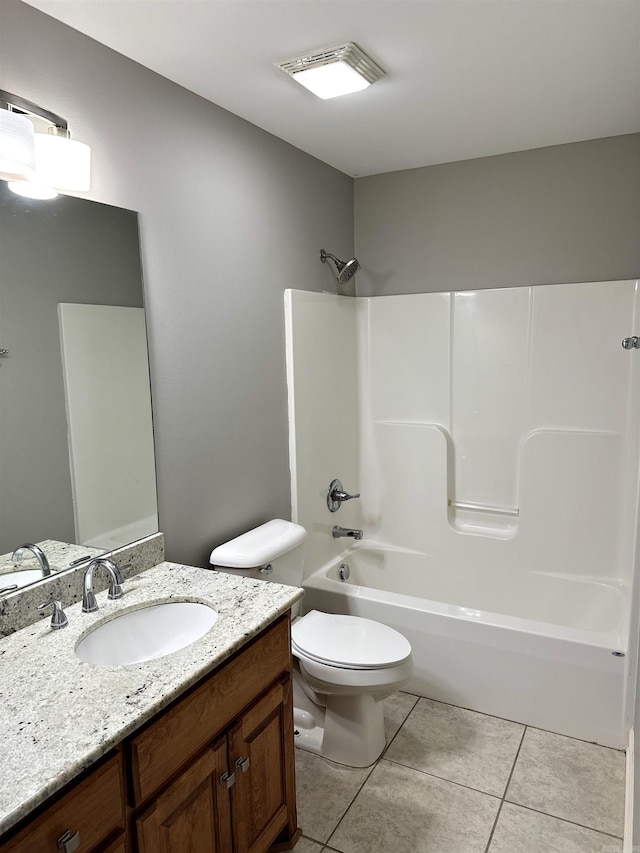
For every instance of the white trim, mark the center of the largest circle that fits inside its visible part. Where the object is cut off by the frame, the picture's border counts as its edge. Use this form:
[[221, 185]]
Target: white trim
[[291, 401], [627, 844]]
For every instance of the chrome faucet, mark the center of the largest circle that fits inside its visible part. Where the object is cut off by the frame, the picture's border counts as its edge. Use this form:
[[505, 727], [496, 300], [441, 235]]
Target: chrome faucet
[[337, 495], [338, 532], [21, 552], [89, 603]]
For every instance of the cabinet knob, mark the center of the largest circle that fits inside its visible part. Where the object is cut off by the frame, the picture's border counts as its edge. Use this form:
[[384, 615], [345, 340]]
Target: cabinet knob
[[243, 763], [69, 842], [227, 779]]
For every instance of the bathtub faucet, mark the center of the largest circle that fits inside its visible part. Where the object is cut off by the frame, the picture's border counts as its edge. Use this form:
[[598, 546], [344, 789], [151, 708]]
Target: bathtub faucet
[[346, 531]]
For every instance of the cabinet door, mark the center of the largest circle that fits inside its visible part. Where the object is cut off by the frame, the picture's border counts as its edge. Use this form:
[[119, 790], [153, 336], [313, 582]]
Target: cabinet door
[[119, 845], [261, 750], [193, 813]]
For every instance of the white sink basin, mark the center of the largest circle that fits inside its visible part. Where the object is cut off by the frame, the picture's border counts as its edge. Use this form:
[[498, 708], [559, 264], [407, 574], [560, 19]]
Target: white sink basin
[[145, 634], [20, 578]]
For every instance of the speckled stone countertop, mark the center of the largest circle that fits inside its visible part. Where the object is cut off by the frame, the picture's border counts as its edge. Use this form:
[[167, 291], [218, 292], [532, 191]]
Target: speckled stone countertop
[[59, 554], [58, 715]]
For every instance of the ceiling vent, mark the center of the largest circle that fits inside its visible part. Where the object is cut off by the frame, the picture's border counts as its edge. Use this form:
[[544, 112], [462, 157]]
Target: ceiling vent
[[333, 71]]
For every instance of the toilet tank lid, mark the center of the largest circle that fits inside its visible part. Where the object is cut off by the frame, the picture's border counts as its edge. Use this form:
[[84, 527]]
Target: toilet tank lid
[[259, 546]]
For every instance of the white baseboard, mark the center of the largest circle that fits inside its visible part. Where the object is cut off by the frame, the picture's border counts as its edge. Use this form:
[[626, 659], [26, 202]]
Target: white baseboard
[[627, 843]]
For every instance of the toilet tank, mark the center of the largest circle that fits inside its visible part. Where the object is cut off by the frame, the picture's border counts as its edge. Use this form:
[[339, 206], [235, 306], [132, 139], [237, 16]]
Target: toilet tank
[[278, 544]]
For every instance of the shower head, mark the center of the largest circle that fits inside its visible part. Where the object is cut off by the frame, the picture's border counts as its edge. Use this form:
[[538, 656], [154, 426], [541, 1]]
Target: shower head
[[345, 269]]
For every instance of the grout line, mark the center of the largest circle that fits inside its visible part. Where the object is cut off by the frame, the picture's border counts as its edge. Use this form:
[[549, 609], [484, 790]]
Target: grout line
[[504, 794], [565, 820], [493, 828], [351, 802], [384, 751], [515, 761], [322, 844], [578, 739], [525, 725], [484, 714], [441, 778]]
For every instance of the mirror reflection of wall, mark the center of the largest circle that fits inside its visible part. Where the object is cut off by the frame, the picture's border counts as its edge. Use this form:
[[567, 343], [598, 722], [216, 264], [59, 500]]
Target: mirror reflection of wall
[[66, 250]]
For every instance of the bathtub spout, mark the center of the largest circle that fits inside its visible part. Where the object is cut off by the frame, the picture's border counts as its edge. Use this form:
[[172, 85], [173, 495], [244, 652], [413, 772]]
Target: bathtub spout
[[338, 532]]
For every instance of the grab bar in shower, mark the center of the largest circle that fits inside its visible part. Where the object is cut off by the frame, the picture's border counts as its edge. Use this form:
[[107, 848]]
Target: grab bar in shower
[[496, 510]]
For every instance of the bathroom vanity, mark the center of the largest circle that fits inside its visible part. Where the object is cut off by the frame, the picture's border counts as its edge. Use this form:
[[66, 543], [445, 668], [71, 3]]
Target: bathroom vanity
[[192, 751]]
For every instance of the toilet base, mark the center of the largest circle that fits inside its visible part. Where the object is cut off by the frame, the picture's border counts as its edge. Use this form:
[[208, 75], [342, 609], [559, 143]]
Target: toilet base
[[348, 730]]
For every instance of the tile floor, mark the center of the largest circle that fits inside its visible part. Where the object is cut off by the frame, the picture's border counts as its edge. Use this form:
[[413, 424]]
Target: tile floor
[[455, 781]]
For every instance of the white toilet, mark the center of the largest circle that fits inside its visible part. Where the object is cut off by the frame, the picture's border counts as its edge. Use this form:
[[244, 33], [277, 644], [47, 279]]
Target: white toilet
[[344, 666]]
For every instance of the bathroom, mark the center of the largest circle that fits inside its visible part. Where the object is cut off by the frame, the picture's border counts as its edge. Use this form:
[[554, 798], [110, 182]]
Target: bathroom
[[222, 237]]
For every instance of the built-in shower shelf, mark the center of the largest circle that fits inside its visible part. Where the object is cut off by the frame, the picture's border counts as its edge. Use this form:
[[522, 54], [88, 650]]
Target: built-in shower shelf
[[481, 520]]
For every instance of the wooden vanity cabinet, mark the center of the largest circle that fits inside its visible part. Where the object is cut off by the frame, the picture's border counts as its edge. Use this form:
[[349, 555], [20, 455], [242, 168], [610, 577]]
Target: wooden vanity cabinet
[[214, 772], [89, 814], [234, 797], [193, 813]]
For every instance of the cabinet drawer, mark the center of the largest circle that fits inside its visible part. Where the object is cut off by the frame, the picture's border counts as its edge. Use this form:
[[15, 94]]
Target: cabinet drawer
[[182, 731], [94, 809]]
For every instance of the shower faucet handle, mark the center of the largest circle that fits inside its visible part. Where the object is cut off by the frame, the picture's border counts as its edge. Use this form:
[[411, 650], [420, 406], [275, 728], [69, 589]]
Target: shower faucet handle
[[337, 495], [631, 343]]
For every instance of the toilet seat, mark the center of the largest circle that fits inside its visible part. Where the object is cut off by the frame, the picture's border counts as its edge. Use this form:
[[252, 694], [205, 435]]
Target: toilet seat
[[348, 642]]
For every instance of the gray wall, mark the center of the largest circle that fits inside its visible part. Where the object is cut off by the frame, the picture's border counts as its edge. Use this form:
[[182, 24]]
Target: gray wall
[[230, 216], [551, 215], [62, 250]]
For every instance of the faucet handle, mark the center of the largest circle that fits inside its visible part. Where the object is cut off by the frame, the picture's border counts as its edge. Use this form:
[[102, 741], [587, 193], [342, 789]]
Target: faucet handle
[[336, 495], [58, 617]]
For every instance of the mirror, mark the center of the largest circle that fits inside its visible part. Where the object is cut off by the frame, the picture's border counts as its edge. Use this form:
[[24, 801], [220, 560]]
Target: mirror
[[76, 439]]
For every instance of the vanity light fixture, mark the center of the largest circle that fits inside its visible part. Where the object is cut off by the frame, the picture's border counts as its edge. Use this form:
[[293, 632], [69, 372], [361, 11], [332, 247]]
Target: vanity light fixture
[[38, 164], [334, 71]]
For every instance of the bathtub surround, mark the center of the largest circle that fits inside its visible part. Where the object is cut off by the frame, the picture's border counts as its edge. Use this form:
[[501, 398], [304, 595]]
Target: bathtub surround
[[493, 437]]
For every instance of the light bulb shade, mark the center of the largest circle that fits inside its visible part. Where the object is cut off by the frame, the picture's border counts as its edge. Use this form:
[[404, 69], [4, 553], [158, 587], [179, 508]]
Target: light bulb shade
[[62, 163], [29, 189], [17, 154], [331, 80]]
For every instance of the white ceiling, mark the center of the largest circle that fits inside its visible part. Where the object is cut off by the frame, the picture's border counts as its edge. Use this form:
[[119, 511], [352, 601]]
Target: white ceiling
[[465, 78]]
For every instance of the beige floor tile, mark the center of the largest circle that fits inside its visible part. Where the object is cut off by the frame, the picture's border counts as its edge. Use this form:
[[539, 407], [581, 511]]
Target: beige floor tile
[[400, 810], [305, 845], [396, 711], [571, 779], [461, 746], [525, 831], [324, 793]]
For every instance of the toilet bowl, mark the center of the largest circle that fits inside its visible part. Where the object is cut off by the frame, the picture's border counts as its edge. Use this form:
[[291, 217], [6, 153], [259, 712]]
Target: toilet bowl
[[344, 666], [347, 666]]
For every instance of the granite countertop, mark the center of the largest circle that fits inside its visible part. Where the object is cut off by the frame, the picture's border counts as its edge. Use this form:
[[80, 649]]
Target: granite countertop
[[58, 715], [59, 554]]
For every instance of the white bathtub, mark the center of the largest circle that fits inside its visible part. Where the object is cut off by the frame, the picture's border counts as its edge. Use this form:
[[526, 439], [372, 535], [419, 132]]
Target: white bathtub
[[535, 648]]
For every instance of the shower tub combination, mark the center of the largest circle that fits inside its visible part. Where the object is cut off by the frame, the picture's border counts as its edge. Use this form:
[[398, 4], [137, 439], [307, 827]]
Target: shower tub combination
[[497, 458], [538, 649]]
